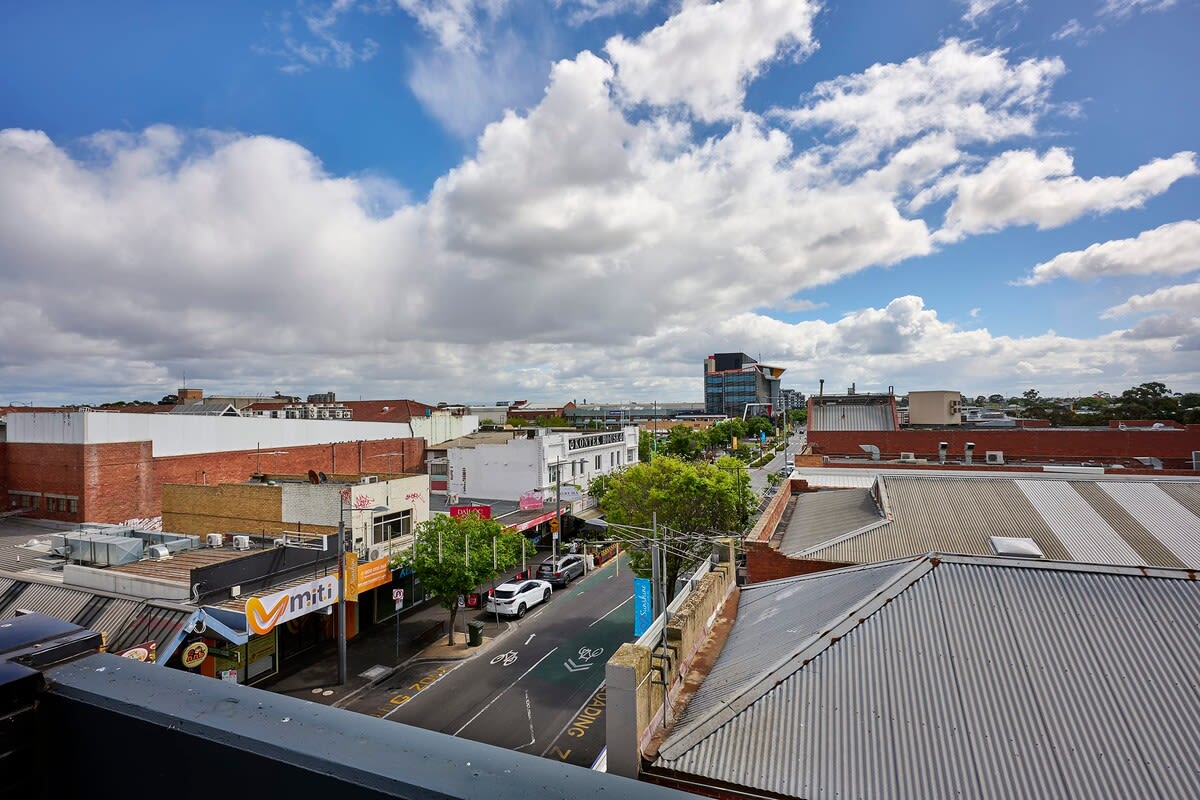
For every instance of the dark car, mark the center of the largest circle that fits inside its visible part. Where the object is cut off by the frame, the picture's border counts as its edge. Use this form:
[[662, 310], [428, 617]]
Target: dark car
[[562, 570]]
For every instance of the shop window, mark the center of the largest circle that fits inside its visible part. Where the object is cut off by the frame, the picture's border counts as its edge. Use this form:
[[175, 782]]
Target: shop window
[[392, 527]]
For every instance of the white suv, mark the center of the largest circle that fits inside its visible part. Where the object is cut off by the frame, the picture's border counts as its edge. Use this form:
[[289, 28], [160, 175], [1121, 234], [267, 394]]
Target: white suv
[[515, 598]]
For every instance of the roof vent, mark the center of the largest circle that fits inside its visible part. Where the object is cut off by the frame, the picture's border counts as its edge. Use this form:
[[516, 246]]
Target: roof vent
[[1016, 547], [157, 552]]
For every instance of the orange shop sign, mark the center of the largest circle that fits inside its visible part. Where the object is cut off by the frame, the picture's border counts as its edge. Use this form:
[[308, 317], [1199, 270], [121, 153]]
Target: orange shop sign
[[264, 613], [373, 573]]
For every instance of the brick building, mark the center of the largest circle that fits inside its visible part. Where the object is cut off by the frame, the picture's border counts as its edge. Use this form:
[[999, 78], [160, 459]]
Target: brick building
[[76, 466]]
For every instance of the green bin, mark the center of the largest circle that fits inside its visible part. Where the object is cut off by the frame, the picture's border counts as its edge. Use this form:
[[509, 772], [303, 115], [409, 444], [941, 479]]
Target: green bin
[[474, 634]]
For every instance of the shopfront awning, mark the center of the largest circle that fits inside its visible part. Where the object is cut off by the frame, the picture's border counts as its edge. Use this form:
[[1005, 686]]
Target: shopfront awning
[[588, 513]]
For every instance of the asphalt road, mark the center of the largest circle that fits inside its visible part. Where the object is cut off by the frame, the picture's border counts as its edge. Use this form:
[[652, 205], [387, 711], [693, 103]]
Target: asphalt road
[[538, 689]]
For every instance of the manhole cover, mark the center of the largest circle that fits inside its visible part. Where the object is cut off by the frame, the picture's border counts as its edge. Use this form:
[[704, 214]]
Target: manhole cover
[[375, 673]]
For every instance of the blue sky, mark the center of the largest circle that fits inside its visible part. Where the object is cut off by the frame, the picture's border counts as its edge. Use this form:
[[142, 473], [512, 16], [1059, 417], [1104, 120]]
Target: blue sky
[[477, 200]]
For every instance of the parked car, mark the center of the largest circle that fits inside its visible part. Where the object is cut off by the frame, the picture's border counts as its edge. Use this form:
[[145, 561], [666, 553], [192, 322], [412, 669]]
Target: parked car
[[562, 571], [516, 597]]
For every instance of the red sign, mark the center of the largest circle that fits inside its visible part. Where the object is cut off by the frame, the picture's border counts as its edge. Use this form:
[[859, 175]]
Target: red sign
[[531, 501], [461, 511]]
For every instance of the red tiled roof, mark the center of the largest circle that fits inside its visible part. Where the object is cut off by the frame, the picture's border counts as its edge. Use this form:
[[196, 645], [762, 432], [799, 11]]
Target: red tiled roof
[[386, 410]]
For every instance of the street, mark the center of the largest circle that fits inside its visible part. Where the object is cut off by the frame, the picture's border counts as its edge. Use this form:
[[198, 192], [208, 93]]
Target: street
[[538, 689]]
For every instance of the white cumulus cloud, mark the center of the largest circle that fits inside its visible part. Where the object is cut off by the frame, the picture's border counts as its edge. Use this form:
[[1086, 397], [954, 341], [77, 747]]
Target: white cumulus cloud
[[704, 56], [1171, 249], [1184, 297]]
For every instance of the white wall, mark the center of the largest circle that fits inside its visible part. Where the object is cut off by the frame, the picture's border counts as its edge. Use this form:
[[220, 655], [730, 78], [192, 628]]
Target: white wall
[[441, 426], [182, 434], [506, 471]]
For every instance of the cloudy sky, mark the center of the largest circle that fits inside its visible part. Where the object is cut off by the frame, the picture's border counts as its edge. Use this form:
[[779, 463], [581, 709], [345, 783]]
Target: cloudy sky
[[482, 200]]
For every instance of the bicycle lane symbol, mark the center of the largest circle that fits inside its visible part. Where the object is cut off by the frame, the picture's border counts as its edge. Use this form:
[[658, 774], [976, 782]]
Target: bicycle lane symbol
[[586, 654], [506, 659]]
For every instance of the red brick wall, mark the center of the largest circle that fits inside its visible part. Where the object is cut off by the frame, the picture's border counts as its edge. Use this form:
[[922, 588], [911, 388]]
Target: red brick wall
[[3, 475], [116, 482], [765, 563], [1173, 447]]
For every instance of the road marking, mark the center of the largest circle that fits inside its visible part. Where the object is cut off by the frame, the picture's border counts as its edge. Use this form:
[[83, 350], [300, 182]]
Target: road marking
[[421, 685], [530, 639], [528, 716], [502, 692], [573, 667], [580, 724], [626, 600]]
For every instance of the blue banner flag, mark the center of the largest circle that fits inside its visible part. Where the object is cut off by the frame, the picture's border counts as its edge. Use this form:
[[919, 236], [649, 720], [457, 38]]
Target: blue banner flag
[[643, 606]]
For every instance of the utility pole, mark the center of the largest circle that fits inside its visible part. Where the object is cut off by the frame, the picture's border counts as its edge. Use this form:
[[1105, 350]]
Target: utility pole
[[557, 510], [655, 573]]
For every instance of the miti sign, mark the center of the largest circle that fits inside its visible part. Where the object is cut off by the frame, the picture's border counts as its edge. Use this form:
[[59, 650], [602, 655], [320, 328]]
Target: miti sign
[[264, 613]]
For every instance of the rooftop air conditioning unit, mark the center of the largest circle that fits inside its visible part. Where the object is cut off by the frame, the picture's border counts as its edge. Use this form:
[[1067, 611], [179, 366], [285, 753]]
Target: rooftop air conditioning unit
[[368, 479], [214, 540], [375, 553], [241, 543], [157, 552], [994, 456], [280, 542]]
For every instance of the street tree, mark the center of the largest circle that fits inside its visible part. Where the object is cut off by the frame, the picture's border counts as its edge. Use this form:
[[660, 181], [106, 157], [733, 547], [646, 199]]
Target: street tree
[[693, 501], [683, 442], [453, 556], [645, 445]]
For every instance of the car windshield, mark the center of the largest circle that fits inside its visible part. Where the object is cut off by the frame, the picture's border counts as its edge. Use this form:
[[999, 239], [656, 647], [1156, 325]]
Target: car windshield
[[505, 594], [545, 568]]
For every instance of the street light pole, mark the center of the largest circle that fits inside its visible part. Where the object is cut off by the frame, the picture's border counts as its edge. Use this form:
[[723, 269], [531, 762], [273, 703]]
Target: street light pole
[[341, 553]]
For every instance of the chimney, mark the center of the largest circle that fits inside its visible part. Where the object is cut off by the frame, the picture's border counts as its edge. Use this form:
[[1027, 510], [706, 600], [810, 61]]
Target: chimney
[[968, 451], [942, 448], [821, 393]]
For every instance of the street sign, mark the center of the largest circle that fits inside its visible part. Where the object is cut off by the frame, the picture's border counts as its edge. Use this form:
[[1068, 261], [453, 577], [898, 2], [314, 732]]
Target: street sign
[[462, 601], [398, 595], [554, 525]]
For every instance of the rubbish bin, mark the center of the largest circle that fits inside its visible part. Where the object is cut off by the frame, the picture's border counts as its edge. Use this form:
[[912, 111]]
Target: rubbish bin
[[474, 634]]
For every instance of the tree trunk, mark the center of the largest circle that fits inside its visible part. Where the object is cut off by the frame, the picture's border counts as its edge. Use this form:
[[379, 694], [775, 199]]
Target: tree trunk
[[453, 616]]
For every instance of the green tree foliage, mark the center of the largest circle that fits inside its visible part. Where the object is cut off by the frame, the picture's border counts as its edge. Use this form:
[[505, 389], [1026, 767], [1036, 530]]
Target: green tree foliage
[[553, 422], [683, 442], [454, 556], [759, 425], [797, 415], [691, 499], [517, 422], [645, 445]]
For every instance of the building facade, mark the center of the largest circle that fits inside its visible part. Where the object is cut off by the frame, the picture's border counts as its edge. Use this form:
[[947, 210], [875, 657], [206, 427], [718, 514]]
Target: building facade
[[738, 386]]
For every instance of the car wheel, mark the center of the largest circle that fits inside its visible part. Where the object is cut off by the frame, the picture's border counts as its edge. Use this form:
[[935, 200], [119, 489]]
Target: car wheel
[[520, 610], [545, 595]]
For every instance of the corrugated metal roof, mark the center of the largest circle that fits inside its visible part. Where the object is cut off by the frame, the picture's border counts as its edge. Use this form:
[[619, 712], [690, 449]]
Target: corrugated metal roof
[[55, 601], [111, 621], [1176, 527], [1110, 521], [151, 623], [821, 516], [822, 478], [851, 417], [954, 515], [1186, 494], [975, 677], [1082, 531], [774, 620]]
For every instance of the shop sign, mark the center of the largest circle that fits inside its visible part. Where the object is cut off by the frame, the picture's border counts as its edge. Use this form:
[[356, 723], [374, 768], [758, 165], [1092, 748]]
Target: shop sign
[[372, 574], [146, 651], [264, 613], [194, 655], [350, 565], [485, 512], [531, 501], [569, 493], [595, 440]]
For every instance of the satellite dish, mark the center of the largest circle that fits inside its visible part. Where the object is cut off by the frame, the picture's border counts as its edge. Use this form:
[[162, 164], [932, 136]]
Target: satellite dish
[[312, 476], [324, 478]]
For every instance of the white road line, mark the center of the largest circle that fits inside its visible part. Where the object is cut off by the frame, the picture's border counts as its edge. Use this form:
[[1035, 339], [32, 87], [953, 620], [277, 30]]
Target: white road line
[[502, 691], [425, 689], [626, 600], [574, 717], [528, 716]]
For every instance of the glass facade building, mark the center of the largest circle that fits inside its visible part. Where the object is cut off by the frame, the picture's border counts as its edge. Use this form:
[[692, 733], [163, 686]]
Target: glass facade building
[[736, 385]]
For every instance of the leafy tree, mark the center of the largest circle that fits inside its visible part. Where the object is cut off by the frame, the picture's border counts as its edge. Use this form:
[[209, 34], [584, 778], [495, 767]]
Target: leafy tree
[[169, 400], [452, 556], [645, 445], [517, 422], [553, 422], [797, 415], [995, 398], [723, 433], [758, 425], [683, 442], [691, 500]]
